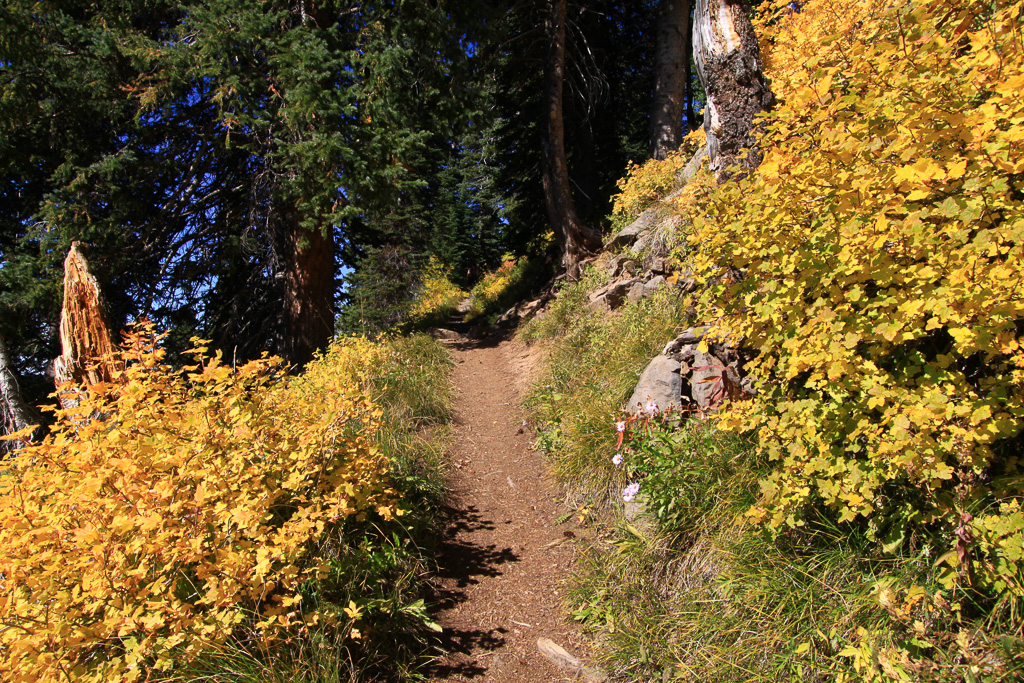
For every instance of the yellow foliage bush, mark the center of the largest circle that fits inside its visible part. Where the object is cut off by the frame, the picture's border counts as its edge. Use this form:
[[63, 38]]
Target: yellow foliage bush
[[437, 297], [881, 245], [644, 184], [159, 517], [495, 286]]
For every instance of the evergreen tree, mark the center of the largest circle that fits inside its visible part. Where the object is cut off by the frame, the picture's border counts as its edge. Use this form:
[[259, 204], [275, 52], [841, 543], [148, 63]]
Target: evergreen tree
[[608, 86], [213, 154]]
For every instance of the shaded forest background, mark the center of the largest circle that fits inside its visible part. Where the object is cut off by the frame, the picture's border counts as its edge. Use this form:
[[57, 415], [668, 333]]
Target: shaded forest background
[[266, 174]]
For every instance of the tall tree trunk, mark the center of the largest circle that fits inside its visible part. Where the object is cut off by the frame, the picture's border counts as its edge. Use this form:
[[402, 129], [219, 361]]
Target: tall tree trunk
[[576, 239], [671, 75], [691, 118], [309, 294], [88, 354], [20, 414], [729, 64]]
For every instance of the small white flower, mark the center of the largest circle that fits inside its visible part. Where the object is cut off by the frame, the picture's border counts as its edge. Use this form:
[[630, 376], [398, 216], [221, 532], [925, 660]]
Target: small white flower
[[651, 406], [617, 459], [629, 493], [620, 426]]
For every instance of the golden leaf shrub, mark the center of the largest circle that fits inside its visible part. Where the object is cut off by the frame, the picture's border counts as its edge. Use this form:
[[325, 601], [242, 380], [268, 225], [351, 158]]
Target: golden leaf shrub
[[158, 518], [501, 286], [880, 245], [646, 183], [438, 297]]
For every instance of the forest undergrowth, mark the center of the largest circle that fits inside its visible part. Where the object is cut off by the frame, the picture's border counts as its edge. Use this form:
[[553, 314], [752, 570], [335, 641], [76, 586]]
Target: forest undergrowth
[[859, 518], [226, 523]]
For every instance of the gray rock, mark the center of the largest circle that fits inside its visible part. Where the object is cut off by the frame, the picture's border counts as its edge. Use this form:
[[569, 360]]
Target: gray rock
[[521, 311], [659, 265], [628, 235], [636, 291], [690, 335], [442, 334], [706, 381], [641, 244], [654, 285], [712, 380], [661, 382], [653, 240], [616, 292], [685, 355], [598, 293], [598, 305], [614, 265], [687, 284]]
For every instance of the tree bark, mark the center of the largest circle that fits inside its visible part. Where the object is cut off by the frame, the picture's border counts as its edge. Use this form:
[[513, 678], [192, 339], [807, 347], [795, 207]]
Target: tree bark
[[576, 239], [88, 354], [309, 294], [672, 74], [729, 63], [691, 118], [20, 414]]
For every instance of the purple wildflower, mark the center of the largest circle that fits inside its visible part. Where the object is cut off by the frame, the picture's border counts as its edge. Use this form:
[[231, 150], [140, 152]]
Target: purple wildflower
[[629, 493]]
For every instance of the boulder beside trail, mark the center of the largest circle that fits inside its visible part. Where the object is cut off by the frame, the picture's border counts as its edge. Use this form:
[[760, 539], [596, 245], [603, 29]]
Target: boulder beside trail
[[684, 374], [660, 382]]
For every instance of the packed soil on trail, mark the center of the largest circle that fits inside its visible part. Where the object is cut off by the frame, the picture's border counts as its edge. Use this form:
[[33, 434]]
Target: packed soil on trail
[[504, 560]]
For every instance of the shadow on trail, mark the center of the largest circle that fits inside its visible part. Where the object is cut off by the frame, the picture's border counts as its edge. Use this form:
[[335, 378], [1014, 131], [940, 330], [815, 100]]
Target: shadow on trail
[[461, 643], [477, 335], [487, 338], [462, 563]]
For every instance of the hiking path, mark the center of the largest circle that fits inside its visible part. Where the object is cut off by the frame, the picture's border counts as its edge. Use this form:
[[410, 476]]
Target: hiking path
[[504, 559]]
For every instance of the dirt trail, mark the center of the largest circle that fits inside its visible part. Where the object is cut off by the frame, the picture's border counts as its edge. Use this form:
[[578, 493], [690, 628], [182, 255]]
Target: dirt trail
[[505, 560]]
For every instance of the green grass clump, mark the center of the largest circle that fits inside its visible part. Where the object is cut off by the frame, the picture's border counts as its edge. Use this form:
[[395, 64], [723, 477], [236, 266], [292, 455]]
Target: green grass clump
[[566, 311], [590, 373], [706, 594]]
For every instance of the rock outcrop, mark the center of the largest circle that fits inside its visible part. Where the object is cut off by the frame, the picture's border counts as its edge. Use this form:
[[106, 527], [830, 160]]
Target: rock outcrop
[[684, 375], [660, 383]]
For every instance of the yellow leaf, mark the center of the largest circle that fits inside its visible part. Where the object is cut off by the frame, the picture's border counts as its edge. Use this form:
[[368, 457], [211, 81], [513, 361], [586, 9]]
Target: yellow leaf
[[352, 611]]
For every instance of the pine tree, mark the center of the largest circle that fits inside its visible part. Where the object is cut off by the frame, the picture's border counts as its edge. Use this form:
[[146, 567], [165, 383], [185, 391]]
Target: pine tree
[[214, 154]]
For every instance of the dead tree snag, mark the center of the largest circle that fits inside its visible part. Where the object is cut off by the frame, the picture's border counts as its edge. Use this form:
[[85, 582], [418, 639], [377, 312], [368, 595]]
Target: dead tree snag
[[729, 64], [88, 354]]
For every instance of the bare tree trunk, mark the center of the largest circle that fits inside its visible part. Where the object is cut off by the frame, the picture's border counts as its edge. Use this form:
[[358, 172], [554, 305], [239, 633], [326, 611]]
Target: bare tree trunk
[[729, 64], [672, 74], [691, 117], [577, 240], [19, 414], [88, 353], [309, 294]]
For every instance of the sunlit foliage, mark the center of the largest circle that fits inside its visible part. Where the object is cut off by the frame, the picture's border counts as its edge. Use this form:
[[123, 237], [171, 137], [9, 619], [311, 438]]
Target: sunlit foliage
[[163, 517], [645, 184], [874, 264], [438, 297]]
